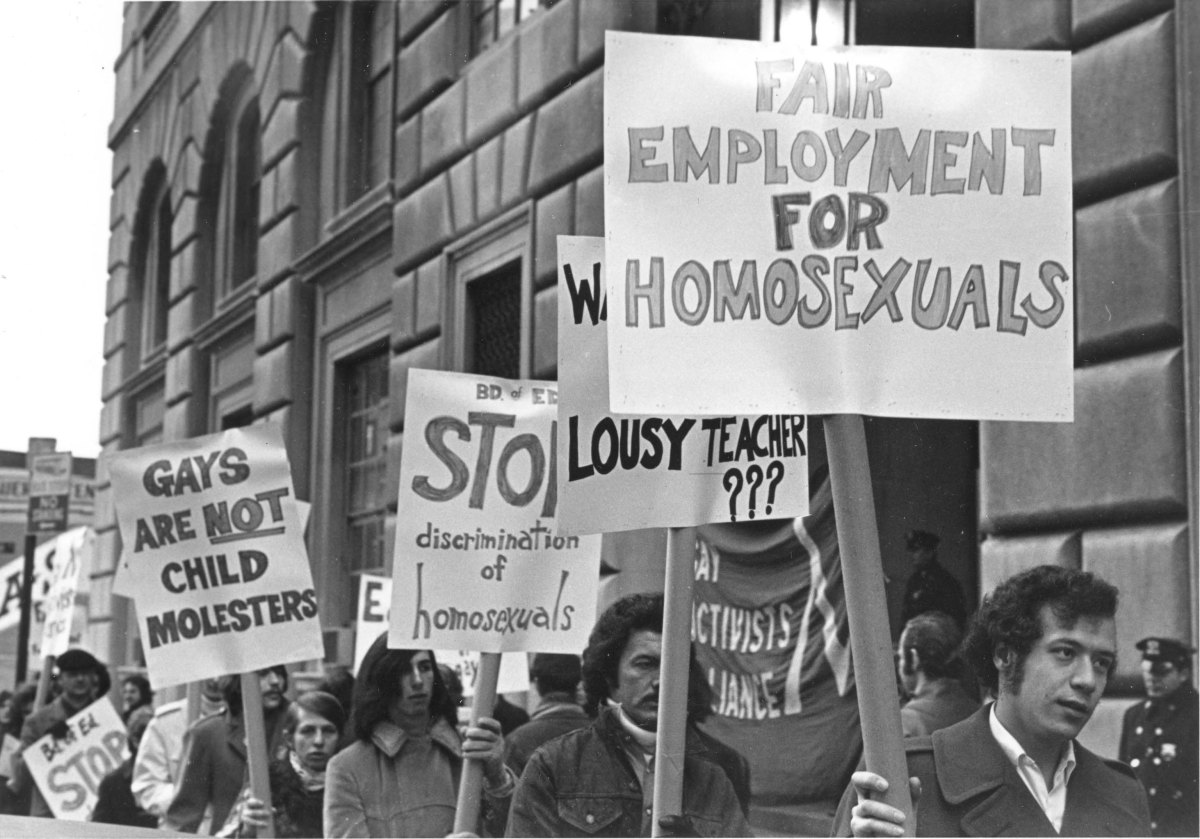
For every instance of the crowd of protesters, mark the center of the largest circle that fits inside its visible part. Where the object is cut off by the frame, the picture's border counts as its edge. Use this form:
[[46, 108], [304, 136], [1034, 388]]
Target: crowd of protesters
[[383, 754]]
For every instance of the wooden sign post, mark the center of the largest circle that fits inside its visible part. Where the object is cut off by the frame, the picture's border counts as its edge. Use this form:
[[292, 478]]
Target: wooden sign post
[[470, 788]]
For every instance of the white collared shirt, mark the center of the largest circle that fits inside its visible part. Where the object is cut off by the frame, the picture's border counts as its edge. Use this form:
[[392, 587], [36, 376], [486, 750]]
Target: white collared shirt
[[1053, 801]]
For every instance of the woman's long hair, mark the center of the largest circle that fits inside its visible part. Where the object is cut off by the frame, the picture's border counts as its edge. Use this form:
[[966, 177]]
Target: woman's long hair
[[377, 688]]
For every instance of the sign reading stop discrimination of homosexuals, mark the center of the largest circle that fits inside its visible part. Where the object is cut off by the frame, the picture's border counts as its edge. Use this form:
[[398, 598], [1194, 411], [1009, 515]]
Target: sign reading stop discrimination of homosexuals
[[216, 559], [68, 770], [873, 230], [479, 563], [628, 472]]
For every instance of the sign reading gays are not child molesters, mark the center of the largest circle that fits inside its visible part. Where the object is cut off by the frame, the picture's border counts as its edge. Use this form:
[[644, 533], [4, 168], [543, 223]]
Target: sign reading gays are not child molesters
[[479, 564], [216, 558], [628, 472], [864, 230]]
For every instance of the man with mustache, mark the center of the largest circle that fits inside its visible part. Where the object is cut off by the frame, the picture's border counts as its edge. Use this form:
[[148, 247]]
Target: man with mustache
[[599, 780], [1045, 643], [214, 763]]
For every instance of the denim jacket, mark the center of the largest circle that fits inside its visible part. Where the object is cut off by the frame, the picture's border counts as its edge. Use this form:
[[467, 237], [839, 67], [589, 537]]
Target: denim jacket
[[582, 784]]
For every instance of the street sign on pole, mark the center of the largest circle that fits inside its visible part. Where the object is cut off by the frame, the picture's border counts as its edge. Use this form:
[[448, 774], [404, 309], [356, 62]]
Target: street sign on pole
[[49, 491]]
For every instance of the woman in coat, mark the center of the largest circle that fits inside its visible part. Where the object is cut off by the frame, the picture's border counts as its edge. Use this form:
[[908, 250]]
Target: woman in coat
[[400, 776]]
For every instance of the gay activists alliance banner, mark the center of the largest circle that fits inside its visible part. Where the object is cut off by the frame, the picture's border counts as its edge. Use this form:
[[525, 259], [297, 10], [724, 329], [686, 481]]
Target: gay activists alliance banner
[[874, 230], [770, 631], [68, 769], [629, 472], [479, 563], [216, 561]]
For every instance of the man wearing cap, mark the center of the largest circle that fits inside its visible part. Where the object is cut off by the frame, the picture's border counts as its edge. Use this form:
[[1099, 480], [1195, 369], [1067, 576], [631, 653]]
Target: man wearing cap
[[930, 588], [1159, 737], [79, 680]]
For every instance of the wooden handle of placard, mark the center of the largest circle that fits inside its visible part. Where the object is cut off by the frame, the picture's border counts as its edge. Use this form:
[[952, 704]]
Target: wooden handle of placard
[[866, 608], [43, 688], [470, 788], [256, 747], [671, 738]]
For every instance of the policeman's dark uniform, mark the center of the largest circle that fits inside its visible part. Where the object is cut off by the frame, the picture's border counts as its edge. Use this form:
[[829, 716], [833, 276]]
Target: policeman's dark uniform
[[1159, 741], [931, 588]]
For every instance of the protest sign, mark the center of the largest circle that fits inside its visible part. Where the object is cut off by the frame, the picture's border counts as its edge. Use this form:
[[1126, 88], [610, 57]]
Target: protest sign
[[478, 562], [8, 748], [68, 770], [629, 472], [873, 230], [11, 576], [374, 599], [216, 560], [73, 560]]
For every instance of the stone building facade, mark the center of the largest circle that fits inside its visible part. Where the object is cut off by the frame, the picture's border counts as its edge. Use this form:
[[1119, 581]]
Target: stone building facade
[[310, 199]]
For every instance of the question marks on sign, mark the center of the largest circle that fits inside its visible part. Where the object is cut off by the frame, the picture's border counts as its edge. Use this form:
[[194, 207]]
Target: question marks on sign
[[774, 475], [733, 475], [734, 482], [754, 477]]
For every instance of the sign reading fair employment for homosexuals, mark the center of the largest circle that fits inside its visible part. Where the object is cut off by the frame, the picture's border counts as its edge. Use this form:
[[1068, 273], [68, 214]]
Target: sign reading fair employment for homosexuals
[[627, 472], [479, 562], [875, 230], [217, 564]]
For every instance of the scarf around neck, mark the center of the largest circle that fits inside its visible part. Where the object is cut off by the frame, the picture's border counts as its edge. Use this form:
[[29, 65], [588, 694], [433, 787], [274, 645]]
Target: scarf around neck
[[645, 739], [311, 780]]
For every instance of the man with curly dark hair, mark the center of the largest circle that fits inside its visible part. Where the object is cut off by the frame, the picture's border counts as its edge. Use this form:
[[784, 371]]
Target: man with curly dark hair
[[1044, 642], [599, 780]]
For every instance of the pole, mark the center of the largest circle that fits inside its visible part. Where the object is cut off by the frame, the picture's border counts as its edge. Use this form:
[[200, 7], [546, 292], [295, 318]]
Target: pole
[[470, 788], [669, 744], [26, 609], [193, 702], [866, 608], [256, 746], [43, 689]]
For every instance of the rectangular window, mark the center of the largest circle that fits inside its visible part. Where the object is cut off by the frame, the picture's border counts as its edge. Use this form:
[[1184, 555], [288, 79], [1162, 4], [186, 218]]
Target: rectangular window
[[493, 320], [372, 43], [149, 408], [491, 20], [364, 399]]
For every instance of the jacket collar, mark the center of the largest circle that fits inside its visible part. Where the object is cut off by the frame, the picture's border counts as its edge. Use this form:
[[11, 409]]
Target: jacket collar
[[971, 765], [610, 727], [390, 738]]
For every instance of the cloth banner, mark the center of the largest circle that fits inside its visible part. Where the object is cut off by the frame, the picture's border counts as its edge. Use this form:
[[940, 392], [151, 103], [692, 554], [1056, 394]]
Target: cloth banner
[[627, 472], [479, 564], [216, 558], [870, 230], [770, 631], [68, 771], [374, 598]]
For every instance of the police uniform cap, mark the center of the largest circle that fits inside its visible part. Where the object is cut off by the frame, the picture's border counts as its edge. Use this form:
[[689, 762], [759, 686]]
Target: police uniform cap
[[918, 539], [74, 660], [1166, 649]]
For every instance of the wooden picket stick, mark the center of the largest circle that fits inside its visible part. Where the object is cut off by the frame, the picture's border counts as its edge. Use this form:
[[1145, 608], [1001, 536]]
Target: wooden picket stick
[[866, 608], [670, 741], [194, 690], [43, 688], [256, 747], [470, 787]]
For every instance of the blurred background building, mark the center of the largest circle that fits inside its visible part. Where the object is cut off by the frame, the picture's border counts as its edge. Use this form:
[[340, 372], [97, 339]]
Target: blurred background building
[[309, 199]]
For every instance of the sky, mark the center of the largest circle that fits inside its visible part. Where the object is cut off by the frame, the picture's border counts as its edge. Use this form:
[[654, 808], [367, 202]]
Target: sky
[[56, 97]]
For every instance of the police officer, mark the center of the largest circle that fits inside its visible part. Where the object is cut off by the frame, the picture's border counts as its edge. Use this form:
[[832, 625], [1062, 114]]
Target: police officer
[[930, 588], [1159, 737]]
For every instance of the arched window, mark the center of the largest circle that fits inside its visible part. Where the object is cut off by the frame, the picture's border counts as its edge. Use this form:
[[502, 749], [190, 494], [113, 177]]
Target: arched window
[[231, 190], [152, 264]]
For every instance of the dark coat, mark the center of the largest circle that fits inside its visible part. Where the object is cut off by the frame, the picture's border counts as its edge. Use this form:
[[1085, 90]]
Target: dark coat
[[1159, 741], [299, 812], [115, 804], [582, 784], [551, 719], [932, 588], [214, 769], [941, 705], [968, 788]]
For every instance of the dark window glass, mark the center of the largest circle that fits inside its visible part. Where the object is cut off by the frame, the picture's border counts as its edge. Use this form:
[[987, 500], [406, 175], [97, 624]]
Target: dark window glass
[[494, 322], [365, 391]]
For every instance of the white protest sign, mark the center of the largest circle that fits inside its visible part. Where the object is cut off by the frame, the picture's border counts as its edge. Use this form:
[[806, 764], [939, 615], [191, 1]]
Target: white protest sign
[[68, 771], [8, 748], [374, 598], [216, 559], [74, 553], [43, 571], [479, 564], [875, 230], [629, 472]]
